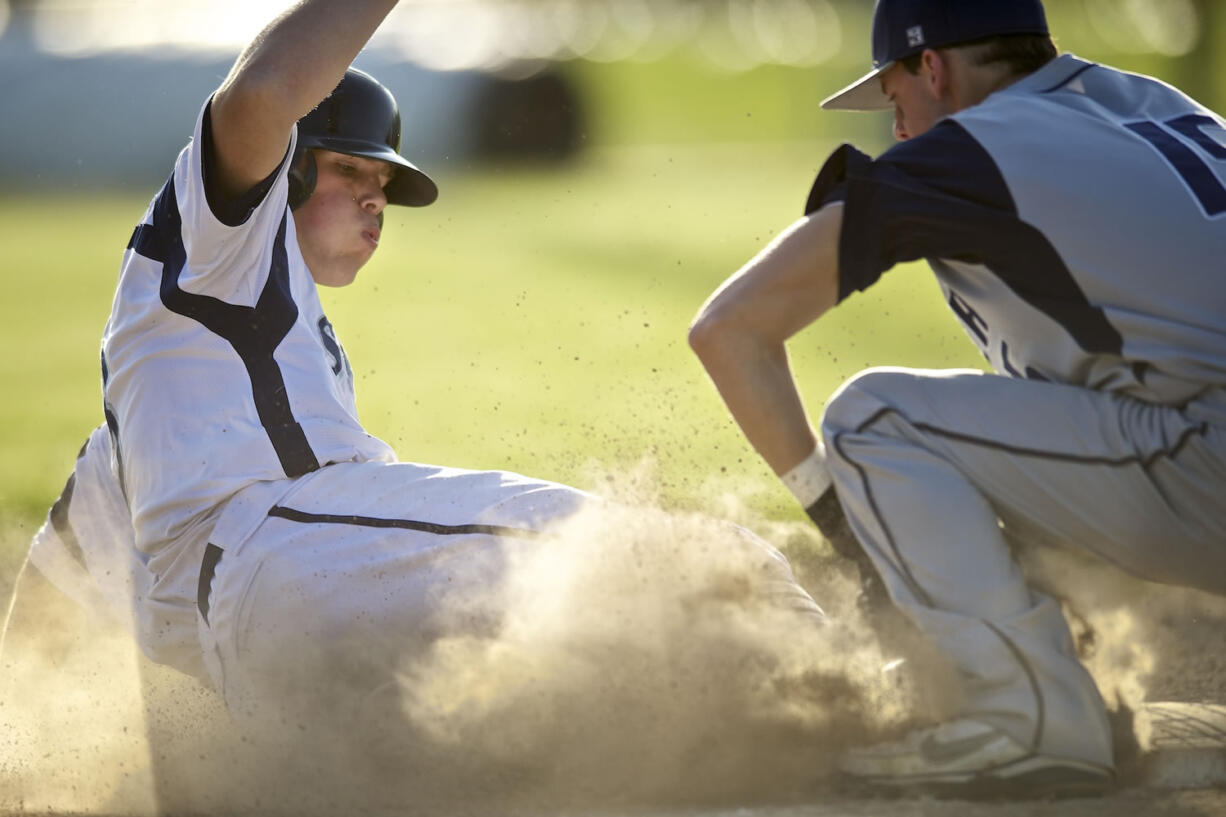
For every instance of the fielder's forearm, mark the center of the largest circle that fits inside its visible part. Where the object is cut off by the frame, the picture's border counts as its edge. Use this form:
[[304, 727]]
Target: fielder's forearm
[[756, 383], [740, 332]]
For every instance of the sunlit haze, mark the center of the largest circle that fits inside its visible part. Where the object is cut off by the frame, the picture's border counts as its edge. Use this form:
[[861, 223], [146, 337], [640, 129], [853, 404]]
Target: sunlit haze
[[461, 34]]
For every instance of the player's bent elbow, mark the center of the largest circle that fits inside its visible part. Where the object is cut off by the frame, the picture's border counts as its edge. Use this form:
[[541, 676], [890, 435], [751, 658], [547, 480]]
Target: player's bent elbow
[[722, 323], [719, 345], [706, 336]]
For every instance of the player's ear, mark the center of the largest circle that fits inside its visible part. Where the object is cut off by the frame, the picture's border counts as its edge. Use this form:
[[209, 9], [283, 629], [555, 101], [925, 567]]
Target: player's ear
[[935, 69], [302, 176]]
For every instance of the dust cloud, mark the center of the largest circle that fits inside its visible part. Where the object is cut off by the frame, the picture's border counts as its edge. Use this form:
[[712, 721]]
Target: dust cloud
[[641, 656], [72, 726], [657, 657], [1140, 640]]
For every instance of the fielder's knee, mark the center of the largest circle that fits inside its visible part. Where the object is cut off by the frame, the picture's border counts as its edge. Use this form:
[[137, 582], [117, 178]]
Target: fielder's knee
[[864, 397]]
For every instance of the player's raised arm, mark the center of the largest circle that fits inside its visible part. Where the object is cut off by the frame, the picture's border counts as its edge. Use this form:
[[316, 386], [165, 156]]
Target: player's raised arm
[[293, 64], [739, 334]]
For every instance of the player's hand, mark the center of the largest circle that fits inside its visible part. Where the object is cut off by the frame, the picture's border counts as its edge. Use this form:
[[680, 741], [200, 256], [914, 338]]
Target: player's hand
[[828, 515]]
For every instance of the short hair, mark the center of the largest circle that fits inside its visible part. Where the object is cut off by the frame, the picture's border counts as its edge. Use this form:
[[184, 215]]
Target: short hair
[[1022, 53]]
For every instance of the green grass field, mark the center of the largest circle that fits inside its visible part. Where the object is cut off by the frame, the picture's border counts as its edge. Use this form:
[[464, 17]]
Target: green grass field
[[533, 319]]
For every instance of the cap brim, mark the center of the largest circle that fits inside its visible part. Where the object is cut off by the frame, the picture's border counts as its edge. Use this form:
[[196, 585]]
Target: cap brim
[[864, 94]]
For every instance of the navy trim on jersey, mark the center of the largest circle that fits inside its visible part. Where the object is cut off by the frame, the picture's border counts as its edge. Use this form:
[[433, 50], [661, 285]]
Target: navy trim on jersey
[[281, 512], [61, 525], [942, 196], [254, 332], [1204, 185], [831, 182], [1069, 78], [231, 211], [112, 425], [204, 585]]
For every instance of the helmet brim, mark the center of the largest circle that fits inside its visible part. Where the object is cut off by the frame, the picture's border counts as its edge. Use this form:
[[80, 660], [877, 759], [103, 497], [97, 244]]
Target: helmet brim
[[409, 187]]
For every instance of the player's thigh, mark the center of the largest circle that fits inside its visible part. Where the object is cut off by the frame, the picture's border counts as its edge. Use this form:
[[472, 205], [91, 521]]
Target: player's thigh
[[383, 590], [373, 560], [1129, 481], [434, 495], [324, 614], [363, 555]]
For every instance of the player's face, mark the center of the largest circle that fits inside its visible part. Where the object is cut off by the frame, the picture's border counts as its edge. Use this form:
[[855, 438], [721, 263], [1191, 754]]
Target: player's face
[[339, 225], [918, 101]]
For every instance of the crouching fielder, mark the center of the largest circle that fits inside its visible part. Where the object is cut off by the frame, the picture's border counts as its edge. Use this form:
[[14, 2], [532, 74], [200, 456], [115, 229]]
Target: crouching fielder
[[1084, 264]]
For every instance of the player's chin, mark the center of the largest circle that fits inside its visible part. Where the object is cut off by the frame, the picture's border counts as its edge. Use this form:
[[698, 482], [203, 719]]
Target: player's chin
[[347, 271], [340, 275]]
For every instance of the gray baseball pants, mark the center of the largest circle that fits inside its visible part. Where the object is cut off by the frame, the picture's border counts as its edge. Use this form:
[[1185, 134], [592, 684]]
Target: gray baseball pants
[[937, 471]]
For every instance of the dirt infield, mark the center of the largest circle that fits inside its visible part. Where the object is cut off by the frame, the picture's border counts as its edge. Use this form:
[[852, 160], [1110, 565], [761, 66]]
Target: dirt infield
[[1127, 803], [689, 710], [106, 768]]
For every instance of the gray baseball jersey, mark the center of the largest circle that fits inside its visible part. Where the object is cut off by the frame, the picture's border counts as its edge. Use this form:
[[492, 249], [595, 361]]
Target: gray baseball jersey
[[1075, 221], [1098, 273]]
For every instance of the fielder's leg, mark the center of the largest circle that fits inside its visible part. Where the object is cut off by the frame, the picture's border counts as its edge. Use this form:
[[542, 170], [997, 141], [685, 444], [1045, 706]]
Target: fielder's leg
[[929, 465]]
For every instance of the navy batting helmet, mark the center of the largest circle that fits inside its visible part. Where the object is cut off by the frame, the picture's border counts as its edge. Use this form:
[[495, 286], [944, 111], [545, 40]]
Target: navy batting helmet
[[359, 118]]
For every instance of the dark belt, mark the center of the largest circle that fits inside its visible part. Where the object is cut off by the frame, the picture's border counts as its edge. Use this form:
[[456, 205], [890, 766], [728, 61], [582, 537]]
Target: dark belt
[[208, 566]]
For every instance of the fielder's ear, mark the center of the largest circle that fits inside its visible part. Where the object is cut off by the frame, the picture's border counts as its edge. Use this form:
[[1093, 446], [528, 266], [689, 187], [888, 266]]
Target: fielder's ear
[[936, 69], [302, 175]]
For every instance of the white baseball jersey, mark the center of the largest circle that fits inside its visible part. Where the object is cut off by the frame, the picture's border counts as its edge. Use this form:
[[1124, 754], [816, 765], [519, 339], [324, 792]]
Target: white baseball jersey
[[220, 370], [86, 549], [85, 546], [311, 562], [1097, 273]]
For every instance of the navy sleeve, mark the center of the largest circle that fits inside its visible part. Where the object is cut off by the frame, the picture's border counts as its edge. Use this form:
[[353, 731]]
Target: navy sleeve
[[831, 182], [942, 196], [229, 211], [935, 196]]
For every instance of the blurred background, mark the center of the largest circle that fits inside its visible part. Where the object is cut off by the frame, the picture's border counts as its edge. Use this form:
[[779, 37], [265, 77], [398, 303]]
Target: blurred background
[[102, 92], [604, 165]]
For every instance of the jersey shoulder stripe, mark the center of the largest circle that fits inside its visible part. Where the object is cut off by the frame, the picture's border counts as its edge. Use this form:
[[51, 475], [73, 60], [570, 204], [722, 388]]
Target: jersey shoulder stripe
[[253, 332], [942, 196]]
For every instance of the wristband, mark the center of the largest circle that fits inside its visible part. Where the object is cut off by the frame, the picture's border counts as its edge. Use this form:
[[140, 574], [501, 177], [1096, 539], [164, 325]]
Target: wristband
[[809, 479]]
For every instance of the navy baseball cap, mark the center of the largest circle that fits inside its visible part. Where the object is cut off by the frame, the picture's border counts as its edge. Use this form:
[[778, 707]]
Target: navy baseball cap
[[902, 28]]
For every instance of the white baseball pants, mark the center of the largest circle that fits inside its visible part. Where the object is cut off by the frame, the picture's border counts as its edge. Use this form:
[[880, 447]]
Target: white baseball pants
[[361, 566]]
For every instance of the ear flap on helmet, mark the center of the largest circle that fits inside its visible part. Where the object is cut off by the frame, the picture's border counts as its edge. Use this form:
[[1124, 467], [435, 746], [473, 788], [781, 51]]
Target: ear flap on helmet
[[302, 175]]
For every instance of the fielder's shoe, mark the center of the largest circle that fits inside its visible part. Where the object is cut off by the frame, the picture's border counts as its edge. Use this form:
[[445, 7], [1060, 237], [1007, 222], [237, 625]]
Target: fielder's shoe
[[972, 760]]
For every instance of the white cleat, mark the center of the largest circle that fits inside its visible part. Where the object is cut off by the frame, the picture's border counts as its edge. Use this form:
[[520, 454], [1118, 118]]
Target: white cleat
[[973, 760]]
